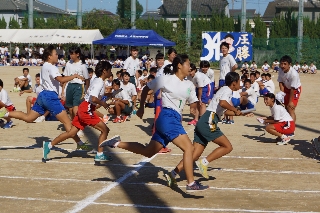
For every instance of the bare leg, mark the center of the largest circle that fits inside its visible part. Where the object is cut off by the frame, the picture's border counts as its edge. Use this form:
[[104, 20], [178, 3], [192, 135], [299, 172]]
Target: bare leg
[[270, 128], [75, 111], [202, 109], [64, 136], [224, 148], [28, 103], [29, 118], [64, 119], [148, 151], [292, 113], [104, 133]]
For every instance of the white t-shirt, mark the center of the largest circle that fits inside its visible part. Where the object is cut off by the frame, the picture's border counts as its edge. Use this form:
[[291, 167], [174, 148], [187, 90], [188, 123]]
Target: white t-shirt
[[92, 78], [76, 68], [279, 113], [37, 89], [124, 96], [276, 64], [304, 67], [108, 83], [17, 50], [2, 49], [252, 96], [269, 85], [96, 89], [259, 79], [290, 79], [265, 67], [245, 66], [167, 62], [225, 94], [226, 64], [41, 50], [200, 80], [296, 67], [130, 89], [253, 67], [131, 65], [210, 74], [48, 74], [28, 77], [4, 98], [175, 92], [255, 87], [160, 71], [313, 68]]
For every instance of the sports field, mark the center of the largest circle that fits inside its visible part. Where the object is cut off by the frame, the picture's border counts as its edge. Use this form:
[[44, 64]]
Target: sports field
[[257, 176]]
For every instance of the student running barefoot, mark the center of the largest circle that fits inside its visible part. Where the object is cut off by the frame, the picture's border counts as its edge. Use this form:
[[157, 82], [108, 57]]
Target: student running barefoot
[[280, 123], [227, 63], [86, 114], [207, 130], [203, 92], [175, 92], [48, 99], [289, 83], [6, 103]]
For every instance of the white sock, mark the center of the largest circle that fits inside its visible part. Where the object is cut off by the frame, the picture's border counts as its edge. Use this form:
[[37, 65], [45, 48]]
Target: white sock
[[80, 143], [190, 184], [6, 115], [205, 161], [99, 153], [50, 146], [116, 144], [173, 173]]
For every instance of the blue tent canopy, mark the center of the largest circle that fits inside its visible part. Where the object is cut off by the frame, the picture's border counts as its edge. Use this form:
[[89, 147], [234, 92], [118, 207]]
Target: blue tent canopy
[[134, 37]]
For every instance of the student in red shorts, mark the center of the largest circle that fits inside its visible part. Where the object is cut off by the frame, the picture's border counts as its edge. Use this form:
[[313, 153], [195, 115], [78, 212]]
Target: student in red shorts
[[6, 103]]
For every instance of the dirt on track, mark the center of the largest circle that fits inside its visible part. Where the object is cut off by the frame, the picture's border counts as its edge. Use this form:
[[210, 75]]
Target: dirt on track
[[257, 176]]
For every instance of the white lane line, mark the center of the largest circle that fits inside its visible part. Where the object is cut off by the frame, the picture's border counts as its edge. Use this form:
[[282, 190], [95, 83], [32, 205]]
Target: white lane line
[[90, 199], [157, 184], [171, 167], [154, 207]]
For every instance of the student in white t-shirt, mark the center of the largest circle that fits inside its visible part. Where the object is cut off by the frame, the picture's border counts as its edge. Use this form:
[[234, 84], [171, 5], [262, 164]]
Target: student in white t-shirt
[[245, 67], [48, 99], [203, 91], [108, 84], [289, 83], [312, 69], [175, 92], [205, 68], [254, 84], [297, 67], [280, 123], [7, 105], [275, 65], [304, 68], [227, 63], [131, 65], [171, 55], [253, 67], [87, 116], [265, 67], [248, 96], [76, 87], [131, 90], [17, 51], [258, 77], [267, 86], [23, 82]]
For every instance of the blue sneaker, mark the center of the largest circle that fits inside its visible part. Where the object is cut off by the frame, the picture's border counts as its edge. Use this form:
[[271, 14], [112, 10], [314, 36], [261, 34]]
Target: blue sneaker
[[230, 122], [8, 125], [111, 142], [46, 149], [134, 112], [196, 187], [102, 158]]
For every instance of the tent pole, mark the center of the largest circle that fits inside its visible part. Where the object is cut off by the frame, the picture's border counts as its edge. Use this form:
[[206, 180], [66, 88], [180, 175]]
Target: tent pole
[[164, 51], [91, 51]]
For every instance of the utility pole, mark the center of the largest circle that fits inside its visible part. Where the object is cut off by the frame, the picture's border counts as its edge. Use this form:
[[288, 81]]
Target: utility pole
[[79, 14], [232, 4], [146, 5], [133, 14], [300, 29], [243, 16], [188, 22], [66, 6], [30, 14]]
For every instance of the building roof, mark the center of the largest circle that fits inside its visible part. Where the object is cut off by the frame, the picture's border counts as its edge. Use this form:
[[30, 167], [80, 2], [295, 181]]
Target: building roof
[[272, 7], [152, 15], [250, 13], [22, 5], [198, 7]]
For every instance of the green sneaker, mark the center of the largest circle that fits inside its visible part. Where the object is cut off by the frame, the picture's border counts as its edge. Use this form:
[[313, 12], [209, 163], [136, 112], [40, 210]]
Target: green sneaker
[[85, 147], [202, 168], [46, 150], [3, 112], [102, 157], [170, 180]]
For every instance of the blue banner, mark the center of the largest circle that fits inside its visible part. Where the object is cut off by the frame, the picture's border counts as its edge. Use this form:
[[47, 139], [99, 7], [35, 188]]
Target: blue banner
[[240, 45]]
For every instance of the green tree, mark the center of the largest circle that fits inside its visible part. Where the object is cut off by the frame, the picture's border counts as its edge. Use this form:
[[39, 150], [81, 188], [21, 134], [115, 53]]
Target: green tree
[[13, 23], [124, 9], [3, 23]]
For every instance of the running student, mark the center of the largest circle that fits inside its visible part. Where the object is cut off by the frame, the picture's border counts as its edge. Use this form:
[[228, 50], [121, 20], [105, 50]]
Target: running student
[[289, 83], [207, 130], [280, 123], [6, 103], [175, 92], [227, 63], [203, 91], [86, 115], [48, 99]]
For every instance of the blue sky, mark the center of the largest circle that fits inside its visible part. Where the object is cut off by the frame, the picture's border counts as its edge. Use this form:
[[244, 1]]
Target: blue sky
[[111, 5]]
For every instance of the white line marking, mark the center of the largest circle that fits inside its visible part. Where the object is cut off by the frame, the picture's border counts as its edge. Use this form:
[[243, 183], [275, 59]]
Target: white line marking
[[89, 200], [153, 207]]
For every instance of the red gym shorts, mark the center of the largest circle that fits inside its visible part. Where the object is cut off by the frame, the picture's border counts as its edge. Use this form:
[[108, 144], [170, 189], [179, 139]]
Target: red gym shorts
[[10, 108], [85, 116], [296, 96], [286, 127]]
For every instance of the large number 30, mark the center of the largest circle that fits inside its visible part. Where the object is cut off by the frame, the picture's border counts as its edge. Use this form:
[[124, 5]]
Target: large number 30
[[213, 47]]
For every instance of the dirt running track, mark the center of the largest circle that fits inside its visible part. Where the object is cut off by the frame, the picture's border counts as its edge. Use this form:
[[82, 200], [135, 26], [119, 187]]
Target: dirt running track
[[257, 176]]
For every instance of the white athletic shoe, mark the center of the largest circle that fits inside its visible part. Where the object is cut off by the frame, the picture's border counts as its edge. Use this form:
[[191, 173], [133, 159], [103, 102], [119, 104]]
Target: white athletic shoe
[[40, 119], [80, 134]]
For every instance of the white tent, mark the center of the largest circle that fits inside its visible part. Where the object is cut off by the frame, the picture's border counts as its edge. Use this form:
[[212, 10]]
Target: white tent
[[49, 36]]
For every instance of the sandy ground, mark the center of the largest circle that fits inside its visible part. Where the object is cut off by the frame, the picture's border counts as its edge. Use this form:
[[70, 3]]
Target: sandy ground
[[257, 176]]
